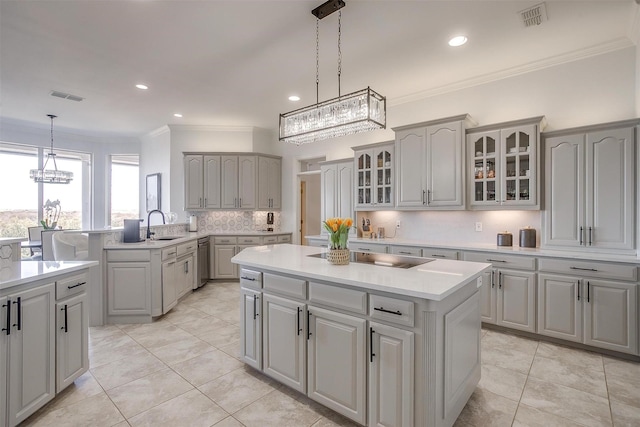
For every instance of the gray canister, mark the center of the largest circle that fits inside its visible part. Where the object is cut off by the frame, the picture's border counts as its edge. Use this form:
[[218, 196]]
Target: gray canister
[[505, 239], [527, 237]]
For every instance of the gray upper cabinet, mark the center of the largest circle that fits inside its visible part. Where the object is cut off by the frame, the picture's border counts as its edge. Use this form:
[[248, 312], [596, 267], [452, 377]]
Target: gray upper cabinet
[[374, 165], [430, 164], [202, 181], [269, 182], [503, 166], [590, 188], [336, 189]]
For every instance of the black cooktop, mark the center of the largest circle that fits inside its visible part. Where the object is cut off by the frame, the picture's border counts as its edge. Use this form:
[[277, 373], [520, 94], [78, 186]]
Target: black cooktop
[[383, 260]]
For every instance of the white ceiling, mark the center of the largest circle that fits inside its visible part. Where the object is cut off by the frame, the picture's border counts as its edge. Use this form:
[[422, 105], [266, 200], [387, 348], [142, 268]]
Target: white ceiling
[[234, 63]]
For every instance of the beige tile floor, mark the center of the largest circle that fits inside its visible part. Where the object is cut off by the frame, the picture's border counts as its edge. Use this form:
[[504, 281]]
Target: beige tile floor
[[183, 370]]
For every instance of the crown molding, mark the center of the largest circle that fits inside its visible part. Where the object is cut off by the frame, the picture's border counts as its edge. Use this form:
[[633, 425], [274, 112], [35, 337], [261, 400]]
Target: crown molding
[[634, 31], [157, 132], [210, 128], [611, 46]]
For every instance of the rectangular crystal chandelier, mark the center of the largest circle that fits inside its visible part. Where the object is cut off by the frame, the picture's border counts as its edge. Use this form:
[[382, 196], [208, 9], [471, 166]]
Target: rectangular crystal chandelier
[[359, 111]]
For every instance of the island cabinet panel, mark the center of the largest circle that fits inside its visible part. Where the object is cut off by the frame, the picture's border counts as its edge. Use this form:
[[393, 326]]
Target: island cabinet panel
[[251, 330], [390, 376], [336, 362], [129, 288], [5, 324], [31, 369], [488, 298], [284, 341], [72, 341]]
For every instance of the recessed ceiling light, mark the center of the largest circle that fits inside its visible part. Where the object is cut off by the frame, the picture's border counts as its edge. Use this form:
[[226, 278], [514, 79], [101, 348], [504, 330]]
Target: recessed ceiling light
[[141, 86], [177, 115], [294, 98], [457, 41]]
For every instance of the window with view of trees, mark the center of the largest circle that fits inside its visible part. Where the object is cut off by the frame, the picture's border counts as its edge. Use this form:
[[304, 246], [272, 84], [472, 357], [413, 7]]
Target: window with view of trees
[[125, 178], [22, 207]]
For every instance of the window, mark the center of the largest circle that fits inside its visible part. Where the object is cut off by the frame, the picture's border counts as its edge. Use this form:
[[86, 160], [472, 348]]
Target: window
[[22, 200], [125, 194]]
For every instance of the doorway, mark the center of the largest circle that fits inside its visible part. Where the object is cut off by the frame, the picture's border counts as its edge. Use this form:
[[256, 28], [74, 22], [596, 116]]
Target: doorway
[[309, 199]]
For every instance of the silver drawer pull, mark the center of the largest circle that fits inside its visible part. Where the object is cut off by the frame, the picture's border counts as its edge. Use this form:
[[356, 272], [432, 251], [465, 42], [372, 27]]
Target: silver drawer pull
[[248, 278], [364, 249], [404, 252], [583, 269], [438, 256], [76, 285], [495, 260], [397, 312]]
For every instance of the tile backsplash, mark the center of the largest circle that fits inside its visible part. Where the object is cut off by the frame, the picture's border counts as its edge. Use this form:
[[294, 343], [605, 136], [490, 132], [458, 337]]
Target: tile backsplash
[[235, 221]]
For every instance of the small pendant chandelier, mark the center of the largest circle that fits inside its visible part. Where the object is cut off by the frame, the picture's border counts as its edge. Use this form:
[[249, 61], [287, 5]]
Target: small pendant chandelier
[[356, 112], [51, 176]]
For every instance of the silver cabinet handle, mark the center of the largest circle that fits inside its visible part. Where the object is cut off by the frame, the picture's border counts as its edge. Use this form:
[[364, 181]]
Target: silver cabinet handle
[[438, 256], [493, 283], [200, 202], [583, 269], [590, 235], [495, 260], [579, 286], [364, 249], [205, 201], [424, 194], [404, 252], [500, 280], [428, 197], [580, 237], [240, 204]]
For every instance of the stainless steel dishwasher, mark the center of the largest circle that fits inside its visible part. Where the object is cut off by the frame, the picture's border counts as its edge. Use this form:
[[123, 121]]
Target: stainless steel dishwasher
[[203, 260]]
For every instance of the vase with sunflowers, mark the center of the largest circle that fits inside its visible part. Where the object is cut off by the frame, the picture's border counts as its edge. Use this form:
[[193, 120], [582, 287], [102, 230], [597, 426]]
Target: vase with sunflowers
[[338, 229]]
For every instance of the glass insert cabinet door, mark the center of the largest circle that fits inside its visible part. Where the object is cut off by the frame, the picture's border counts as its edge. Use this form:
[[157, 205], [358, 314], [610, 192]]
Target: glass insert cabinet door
[[518, 166], [486, 168], [374, 180]]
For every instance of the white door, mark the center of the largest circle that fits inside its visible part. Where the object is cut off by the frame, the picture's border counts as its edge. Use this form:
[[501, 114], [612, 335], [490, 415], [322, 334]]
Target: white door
[[564, 165], [250, 330], [610, 189], [516, 300], [5, 332], [247, 185], [611, 315], [336, 362], [410, 168], [169, 293], [229, 177], [390, 376], [560, 307], [488, 297], [284, 341], [72, 343], [444, 165], [31, 352], [193, 170], [212, 184], [223, 267]]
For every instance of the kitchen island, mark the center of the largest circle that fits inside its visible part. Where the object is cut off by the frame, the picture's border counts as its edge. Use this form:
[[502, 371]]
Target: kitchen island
[[382, 345]]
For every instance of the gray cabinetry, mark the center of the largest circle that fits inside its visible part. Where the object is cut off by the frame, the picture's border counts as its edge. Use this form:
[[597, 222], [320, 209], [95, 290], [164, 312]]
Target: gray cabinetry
[[374, 166], [31, 368], [202, 181], [430, 164], [5, 324], [128, 288], [169, 291], [336, 190], [269, 182], [590, 190], [251, 329]]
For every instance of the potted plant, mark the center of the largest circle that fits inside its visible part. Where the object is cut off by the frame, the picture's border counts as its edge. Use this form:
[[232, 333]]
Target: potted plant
[[51, 214], [338, 229]]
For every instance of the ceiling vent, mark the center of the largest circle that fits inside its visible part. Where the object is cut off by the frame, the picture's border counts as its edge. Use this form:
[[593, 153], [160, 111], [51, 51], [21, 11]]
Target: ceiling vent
[[68, 96], [534, 15]]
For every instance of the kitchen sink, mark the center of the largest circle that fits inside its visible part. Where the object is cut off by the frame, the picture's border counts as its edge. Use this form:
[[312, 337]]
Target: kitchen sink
[[384, 260]]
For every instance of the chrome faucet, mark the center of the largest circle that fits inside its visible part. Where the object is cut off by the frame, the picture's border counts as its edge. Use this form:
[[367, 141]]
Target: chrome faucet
[[149, 233]]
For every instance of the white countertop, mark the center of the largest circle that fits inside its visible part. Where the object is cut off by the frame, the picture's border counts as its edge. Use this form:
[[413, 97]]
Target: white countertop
[[434, 280], [158, 244], [11, 240], [506, 250], [20, 272]]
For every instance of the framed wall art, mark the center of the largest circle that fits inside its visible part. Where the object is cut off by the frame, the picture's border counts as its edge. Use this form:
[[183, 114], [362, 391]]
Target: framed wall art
[[153, 192]]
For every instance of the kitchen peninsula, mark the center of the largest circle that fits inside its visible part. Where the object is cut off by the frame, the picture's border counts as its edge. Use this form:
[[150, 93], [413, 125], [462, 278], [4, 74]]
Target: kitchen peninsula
[[382, 345]]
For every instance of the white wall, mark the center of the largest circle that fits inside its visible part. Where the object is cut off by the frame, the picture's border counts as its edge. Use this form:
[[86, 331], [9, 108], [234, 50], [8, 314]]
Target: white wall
[[592, 90], [155, 157]]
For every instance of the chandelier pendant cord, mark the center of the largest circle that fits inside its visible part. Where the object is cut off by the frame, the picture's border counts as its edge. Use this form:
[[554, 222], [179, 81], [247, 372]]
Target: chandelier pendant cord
[[51, 153], [339, 50], [317, 61]]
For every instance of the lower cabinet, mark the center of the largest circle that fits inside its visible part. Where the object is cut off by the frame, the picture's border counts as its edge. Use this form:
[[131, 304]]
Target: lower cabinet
[[169, 292], [390, 376], [223, 268], [5, 324], [508, 298], [185, 275], [285, 341], [336, 362], [595, 312], [72, 341], [251, 330], [128, 288], [31, 350]]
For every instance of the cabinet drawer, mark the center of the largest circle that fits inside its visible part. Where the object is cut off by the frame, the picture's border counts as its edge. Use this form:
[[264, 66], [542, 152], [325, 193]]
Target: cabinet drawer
[[440, 253], [72, 285], [406, 250], [129, 255], [249, 240], [320, 243], [334, 296], [391, 310], [185, 248], [590, 268], [168, 253], [502, 261], [269, 240], [368, 247], [285, 238], [250, 278], [218, 240], [285, 285]]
